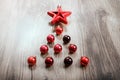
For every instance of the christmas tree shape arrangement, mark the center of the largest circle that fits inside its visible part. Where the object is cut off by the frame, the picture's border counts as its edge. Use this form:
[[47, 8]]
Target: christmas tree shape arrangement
[[58, 16]]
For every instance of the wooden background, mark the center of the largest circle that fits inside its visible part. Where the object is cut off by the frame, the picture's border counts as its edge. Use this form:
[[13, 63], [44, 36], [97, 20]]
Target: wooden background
[[94, 27]]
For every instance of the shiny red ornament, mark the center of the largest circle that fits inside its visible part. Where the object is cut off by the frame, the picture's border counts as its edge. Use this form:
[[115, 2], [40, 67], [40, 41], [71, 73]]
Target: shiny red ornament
[[31, 60], [58, 30], [57, 48], [50, 38], [72, 48], [49, 61], [59, 15], [84, 61], [44, 49]]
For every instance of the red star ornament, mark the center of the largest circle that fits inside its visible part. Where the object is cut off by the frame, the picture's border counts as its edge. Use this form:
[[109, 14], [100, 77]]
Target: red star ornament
[[59, 15]]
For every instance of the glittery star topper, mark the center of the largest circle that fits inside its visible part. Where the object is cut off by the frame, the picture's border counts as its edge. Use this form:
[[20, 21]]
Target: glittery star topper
[[59, 15]]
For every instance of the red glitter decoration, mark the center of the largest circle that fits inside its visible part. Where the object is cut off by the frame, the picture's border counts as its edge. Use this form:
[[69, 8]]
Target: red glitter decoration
[[59, 15]]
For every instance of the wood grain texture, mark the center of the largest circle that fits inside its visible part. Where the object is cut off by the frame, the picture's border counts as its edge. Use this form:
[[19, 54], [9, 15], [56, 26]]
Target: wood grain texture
[[94, 27]]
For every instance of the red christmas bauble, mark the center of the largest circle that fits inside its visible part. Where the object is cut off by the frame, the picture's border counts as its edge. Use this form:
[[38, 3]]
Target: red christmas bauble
[[44, 49], [49, 61], [50, 38], [58, 30], [31, 60], [72, 48], [84, 61], [57, 48]]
